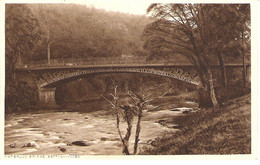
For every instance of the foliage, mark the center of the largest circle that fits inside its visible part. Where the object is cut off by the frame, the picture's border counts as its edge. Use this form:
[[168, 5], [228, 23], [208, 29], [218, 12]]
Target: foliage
[[22, 33], [77, 31], [198, 32], [20, 96], [208, 27]]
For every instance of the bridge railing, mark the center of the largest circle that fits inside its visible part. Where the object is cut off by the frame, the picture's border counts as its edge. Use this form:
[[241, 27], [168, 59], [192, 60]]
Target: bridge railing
[[105, 61], [97, 61], [76, 60]]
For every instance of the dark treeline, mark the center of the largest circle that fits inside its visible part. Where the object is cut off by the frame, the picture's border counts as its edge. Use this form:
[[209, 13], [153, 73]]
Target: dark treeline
[[76, 31]]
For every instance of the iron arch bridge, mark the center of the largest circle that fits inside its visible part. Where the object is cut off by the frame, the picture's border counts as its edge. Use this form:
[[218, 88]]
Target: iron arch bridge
[[47, 75], [50, 80]]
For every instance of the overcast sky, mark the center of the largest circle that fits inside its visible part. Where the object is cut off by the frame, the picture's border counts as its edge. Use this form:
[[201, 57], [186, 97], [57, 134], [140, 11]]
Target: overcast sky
[[125, 6], [135, 6]]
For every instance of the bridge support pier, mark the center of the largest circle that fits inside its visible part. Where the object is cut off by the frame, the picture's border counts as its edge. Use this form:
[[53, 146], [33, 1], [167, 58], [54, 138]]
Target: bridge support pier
[[47, 98]]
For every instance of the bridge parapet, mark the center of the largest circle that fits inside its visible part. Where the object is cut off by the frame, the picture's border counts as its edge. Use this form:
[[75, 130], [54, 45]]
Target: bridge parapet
[[106, 63]]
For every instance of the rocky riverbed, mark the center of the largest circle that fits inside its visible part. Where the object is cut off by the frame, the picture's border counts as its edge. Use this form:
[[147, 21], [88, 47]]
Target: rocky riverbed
[[66, 132]]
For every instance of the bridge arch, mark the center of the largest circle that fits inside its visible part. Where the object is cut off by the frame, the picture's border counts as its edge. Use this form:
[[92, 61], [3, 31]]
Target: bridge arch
[[52, 79], [47, 86]]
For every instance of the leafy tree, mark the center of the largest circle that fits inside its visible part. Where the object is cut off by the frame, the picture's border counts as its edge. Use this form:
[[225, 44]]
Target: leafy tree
[[198, 32], [22, 33], [229, 22]]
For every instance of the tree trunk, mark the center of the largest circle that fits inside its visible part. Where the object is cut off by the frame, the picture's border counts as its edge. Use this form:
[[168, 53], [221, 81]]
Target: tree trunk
[[211, 88], [223, 69], [13, 72], [204, 98], [243, 54], [138, 130], [127, 137], [125, 149], [244, 70], [49, 52]]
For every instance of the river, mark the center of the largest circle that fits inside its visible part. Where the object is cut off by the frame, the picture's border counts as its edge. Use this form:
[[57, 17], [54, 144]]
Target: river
[[52, 132]]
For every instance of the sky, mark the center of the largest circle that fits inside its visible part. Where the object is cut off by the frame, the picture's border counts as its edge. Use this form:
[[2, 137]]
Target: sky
[[133, 6], [126, 6]]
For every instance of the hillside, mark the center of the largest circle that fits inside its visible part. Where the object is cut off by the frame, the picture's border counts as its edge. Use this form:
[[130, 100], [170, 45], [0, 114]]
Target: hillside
[[223, 131], [78, 31]]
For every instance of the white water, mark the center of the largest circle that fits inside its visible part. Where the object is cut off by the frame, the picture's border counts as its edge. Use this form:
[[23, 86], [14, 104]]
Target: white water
[[50, 131]]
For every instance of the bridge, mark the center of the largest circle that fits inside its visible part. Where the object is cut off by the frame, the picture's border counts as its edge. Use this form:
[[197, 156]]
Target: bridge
[[48, 74]]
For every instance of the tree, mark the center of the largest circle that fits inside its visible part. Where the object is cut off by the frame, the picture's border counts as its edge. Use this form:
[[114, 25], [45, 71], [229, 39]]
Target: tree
[[198, 32], [128, 115], [22, 33], [229, 21], [140, 102]]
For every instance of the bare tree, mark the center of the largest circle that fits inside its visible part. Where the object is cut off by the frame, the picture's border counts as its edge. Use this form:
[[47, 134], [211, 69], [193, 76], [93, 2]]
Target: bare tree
[[116, 112], [129, 111]]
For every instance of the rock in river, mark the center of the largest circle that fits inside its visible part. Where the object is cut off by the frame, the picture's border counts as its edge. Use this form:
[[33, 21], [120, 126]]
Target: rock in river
[[12, 145], [62, 149], [29, 145], [104, 139], [80, 143]]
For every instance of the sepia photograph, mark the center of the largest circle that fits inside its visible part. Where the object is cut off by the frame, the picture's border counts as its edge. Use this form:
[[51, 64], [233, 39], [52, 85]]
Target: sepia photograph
[[89, 78]]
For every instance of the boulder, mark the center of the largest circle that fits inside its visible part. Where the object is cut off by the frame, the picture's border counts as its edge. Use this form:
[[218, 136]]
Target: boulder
[[103, 139], [63, 149], [80, 143], [12, 145], [29, 145]]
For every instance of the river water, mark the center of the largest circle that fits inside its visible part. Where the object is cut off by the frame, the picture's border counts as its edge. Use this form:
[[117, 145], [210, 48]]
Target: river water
[[52, 132]]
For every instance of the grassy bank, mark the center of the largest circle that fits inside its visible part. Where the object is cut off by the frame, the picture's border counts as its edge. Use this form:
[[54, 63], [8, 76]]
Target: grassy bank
[[226, 130]]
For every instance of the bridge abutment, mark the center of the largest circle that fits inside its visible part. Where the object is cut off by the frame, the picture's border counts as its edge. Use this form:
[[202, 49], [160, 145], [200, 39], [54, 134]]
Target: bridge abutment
[[47, 98]]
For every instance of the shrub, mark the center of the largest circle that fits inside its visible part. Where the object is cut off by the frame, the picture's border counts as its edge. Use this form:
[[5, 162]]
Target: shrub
[[227, 93], [20, 96]]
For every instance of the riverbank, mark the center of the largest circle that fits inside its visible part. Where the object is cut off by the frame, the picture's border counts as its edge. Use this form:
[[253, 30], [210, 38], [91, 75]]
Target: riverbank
[[226, 130]]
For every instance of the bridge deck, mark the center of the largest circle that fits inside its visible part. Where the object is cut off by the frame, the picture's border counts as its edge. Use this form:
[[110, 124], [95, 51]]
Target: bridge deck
[[73, 66]]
